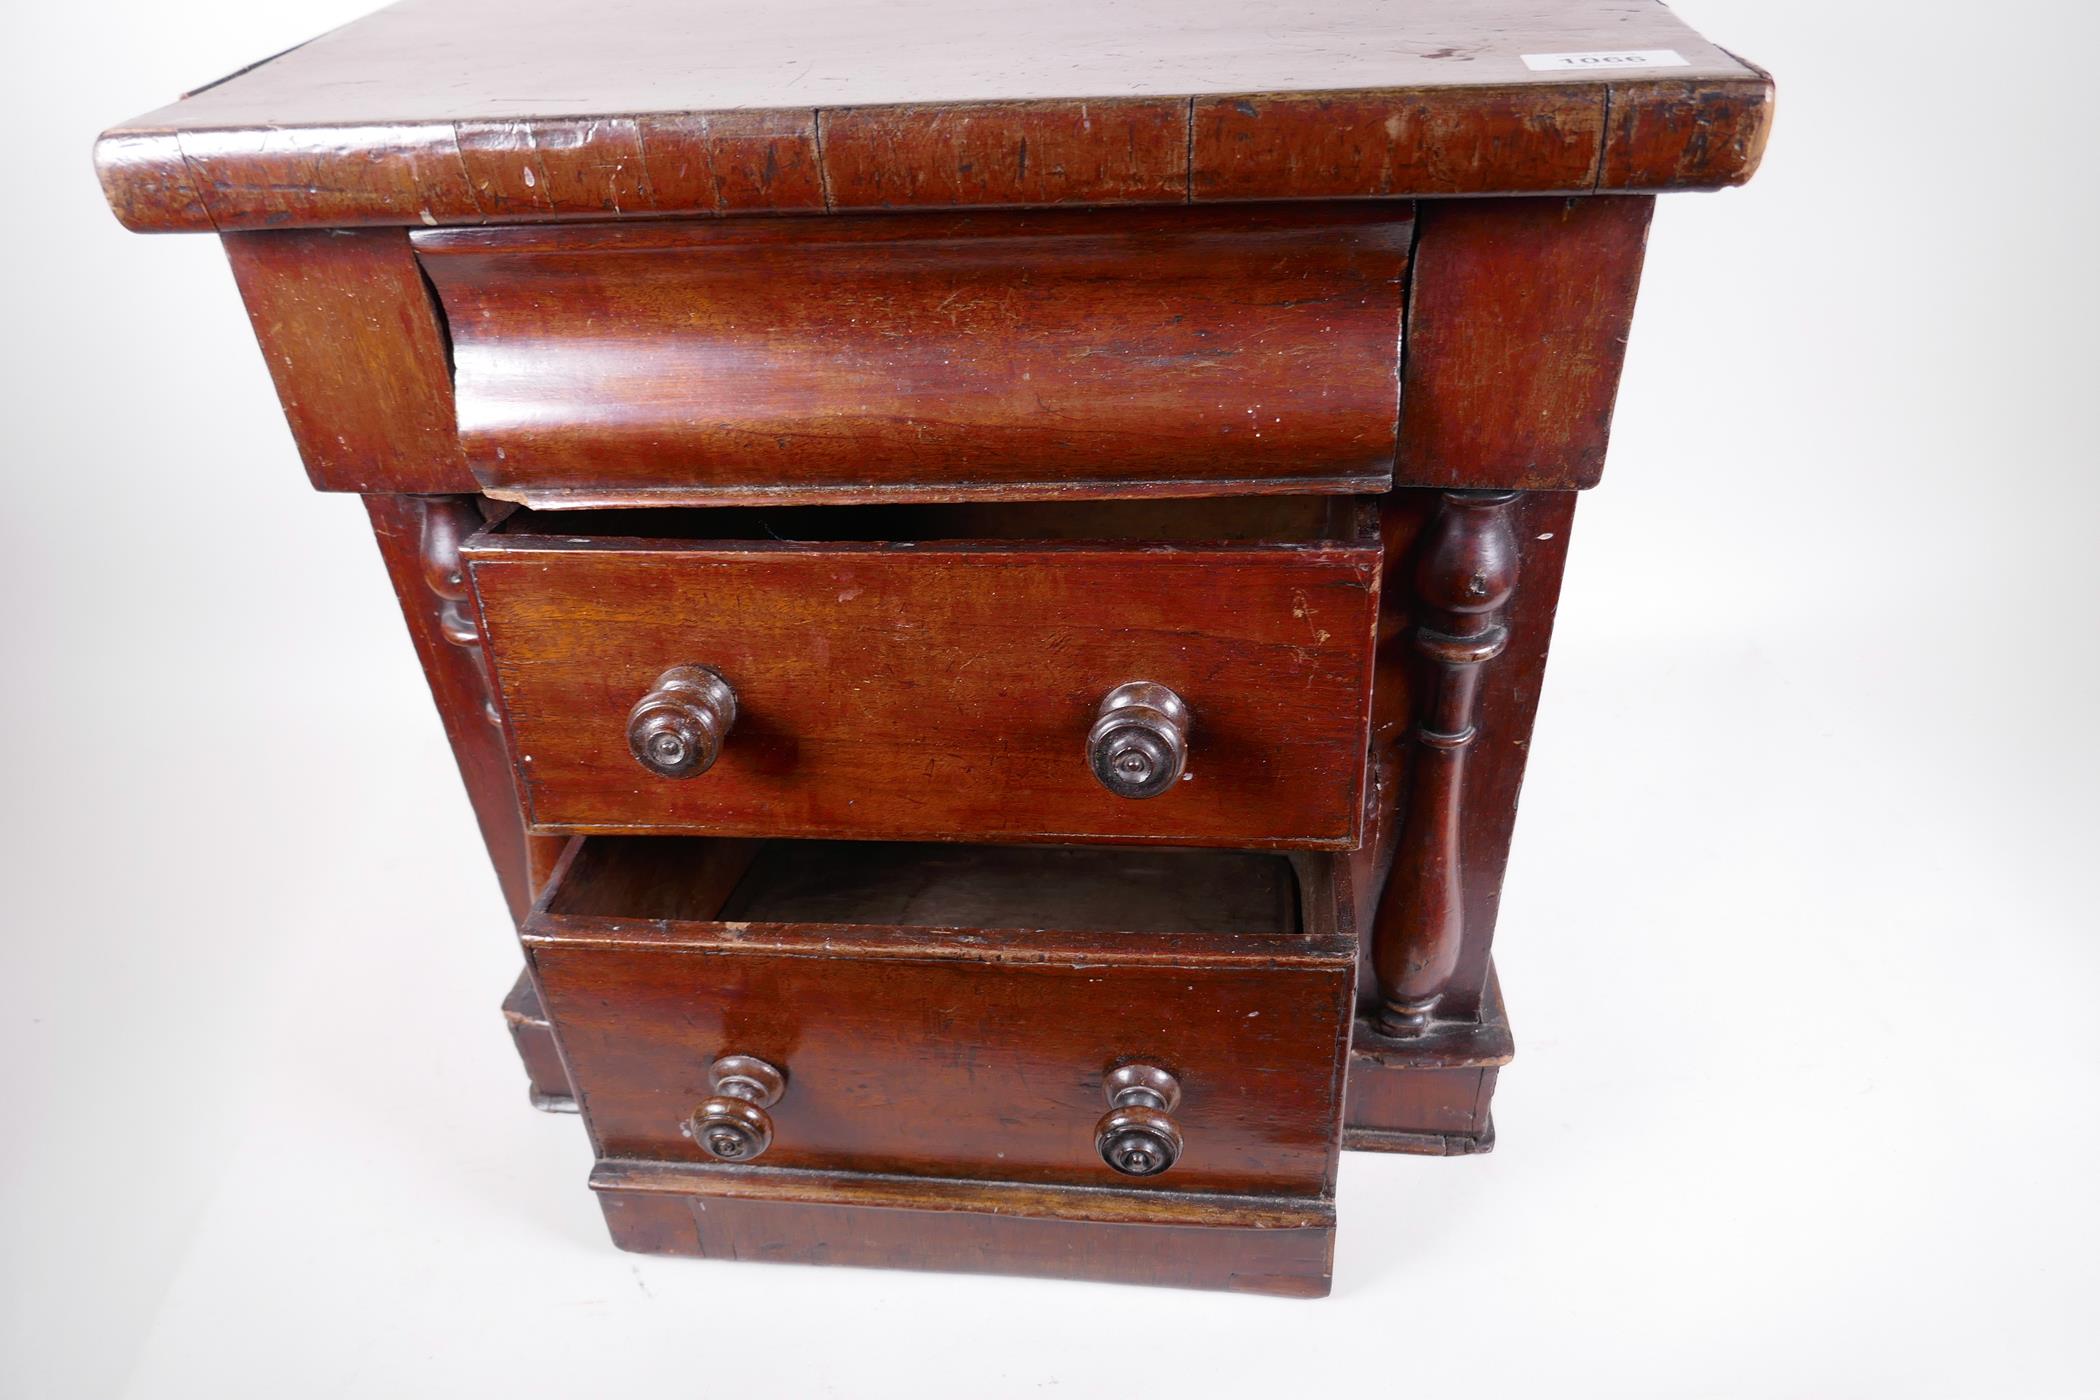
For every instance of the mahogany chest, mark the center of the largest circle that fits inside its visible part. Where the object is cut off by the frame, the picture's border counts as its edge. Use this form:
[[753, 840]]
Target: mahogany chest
[[988, 568]]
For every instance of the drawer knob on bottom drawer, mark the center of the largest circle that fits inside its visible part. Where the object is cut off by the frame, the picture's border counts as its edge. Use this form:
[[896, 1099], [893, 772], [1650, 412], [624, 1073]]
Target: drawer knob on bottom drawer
[[734, 1126], [1140, 740], [677, 729], [1136, 1137]]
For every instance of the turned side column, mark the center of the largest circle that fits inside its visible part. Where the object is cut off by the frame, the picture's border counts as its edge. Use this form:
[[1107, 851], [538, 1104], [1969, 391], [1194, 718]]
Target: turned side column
[[1468, 571], [419, 537]]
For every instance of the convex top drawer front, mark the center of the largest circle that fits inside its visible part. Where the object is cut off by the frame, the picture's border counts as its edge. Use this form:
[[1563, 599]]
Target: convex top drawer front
[[1186, 673], [997, 354]]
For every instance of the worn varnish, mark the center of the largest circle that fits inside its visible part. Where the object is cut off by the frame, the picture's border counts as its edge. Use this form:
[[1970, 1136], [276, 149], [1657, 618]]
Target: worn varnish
[[921, 686], [356, 349], [418, 541], [1278, 1246], [533, 1037], [473, 111], [1007, 354], [965, 1031], [1026, 537], [1518, 320]]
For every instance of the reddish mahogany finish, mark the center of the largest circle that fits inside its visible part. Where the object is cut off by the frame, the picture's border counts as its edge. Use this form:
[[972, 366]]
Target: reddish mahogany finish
[[478, 111], [1008, 354], [1203, 494], [1282, 1246], [956, 1011], [356, 348], [927, 686]]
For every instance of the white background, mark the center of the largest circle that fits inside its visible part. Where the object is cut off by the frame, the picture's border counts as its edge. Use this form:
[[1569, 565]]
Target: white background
[[1799, 940]]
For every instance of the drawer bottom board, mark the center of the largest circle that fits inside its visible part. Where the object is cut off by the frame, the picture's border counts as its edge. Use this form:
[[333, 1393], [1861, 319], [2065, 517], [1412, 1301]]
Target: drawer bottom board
[[1237, 1244]]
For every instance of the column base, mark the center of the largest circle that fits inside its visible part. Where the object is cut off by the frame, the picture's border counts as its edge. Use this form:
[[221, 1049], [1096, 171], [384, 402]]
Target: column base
[[1428, 1094]]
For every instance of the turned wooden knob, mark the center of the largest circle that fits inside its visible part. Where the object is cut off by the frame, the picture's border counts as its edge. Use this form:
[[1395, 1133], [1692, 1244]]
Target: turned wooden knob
[[1140, 740], [734, 1126], [1137, 1137], [677, 729]]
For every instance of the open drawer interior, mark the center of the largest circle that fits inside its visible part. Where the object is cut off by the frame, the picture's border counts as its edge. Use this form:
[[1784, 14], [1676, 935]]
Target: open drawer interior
[[954, 1010], [1240, 520], [933, 885]]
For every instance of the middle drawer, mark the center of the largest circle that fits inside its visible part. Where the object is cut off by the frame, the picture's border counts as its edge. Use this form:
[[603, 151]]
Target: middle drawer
[[939, 671]]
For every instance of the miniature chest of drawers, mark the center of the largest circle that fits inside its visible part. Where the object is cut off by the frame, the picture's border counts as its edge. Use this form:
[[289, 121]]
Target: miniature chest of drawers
[[988, 569]]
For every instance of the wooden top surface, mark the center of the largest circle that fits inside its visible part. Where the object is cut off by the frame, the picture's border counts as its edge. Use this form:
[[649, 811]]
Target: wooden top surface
[[708, 106]]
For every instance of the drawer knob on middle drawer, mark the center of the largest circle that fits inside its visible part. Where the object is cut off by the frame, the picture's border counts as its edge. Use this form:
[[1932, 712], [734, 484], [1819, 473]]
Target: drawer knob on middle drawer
[[1136, 1136], [677, 729], [734, 1126], [1140, 740]]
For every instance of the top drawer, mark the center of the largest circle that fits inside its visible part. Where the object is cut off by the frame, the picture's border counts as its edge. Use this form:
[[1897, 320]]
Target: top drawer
[[1009, 355]]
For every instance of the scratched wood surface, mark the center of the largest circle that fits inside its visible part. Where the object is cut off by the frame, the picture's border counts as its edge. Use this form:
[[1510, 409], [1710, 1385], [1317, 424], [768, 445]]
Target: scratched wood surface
[[1517, 325], [354, 345], [1010, 352], [1282, 1246], [469, 111], [975, 1051], [934, 688]]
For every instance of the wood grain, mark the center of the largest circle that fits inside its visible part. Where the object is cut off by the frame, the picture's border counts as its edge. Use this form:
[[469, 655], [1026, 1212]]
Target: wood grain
[[1283, 1247], [934, 688], [960, 155], [1507, 706], [1430, 1095], [533, 1037], [1357, 144], [956, 1051], [768, 359], [459, 687], [352, 338], [1517, 322], [1463, 580], [436, 111]]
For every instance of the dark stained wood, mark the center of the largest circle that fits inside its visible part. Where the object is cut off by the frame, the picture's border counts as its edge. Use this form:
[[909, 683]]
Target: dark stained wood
[[1279, 1246], [1353, 144], [457, 684], [1138, 1136], [1446, 1110], [1139, 745], [150, 187], [937, 492], [960, 155], [1506, 707], [1517, 322], [533, 1036], [950, 1051], [936, 688], [677, 729], [1052, 889], [1686, 135], [1463, 581], [731, 1124], [436, 111], [1396, 1086], [351, 335], [1051, 352], [732, 162], [1430, 1094]]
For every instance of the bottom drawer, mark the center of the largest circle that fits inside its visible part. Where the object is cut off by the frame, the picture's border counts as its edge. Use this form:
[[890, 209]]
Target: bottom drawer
[[955, 1011]]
